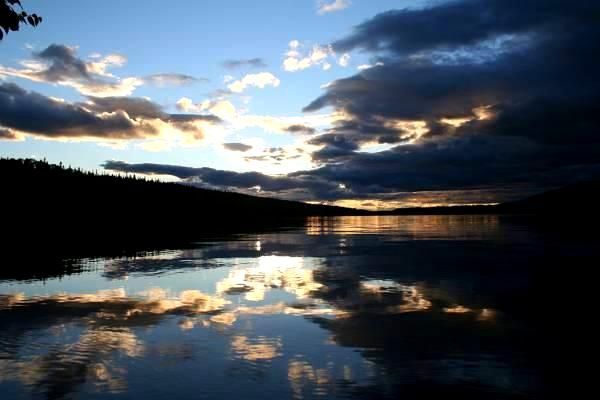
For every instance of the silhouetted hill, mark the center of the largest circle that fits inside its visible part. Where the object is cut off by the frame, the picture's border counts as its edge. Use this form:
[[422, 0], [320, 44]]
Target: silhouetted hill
[[63, 207], [580, 198], [49, 208]]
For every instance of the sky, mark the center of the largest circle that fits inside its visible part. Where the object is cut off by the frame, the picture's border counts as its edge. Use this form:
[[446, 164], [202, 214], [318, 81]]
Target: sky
[[371, 104]]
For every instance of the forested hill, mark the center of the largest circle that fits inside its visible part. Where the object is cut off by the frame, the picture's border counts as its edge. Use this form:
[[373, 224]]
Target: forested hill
[[43, 201]]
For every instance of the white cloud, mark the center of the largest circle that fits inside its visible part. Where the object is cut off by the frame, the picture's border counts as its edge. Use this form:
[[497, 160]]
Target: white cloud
[[186, 104], [362, 67], [324, 7], [296, 61], [236, 119], [109, 61], [259, 80], [223, 109], [344, 60]]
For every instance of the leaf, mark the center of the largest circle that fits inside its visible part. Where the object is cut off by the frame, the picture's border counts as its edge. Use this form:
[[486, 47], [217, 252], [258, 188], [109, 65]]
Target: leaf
[[31, 20]]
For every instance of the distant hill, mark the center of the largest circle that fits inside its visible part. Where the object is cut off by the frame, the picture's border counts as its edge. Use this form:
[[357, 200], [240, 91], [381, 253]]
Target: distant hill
[[573, 199], [580, 198]]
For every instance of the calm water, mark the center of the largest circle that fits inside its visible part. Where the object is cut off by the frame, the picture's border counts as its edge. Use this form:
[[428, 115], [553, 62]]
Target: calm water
[[366, 307]]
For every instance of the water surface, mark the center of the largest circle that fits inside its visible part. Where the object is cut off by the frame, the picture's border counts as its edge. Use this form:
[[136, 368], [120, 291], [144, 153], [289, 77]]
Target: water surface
[[351, 307]]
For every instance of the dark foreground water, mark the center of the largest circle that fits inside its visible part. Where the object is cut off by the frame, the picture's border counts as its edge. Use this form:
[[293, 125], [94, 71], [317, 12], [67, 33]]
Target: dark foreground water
[[466, 307]]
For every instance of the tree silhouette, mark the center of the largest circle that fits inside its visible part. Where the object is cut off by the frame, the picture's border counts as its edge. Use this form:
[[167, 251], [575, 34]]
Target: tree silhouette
[[11, 17]]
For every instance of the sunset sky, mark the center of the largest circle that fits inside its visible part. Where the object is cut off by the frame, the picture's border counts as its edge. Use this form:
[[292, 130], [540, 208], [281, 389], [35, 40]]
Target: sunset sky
[[374, 104]]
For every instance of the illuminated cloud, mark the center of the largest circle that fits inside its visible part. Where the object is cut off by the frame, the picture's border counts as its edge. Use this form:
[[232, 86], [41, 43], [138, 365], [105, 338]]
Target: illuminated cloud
[[223, 109], [325, 6], [106, 119], [344, 60], [318, 56], [259, 80], [296, 61], [7, 134], [59, 64], [362, 67]]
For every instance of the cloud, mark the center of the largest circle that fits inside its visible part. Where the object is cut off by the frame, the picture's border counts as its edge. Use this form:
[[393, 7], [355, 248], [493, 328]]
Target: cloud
[[296, 61], [223, 109], [318, 56], [362, 67], [172, 79], [259, 80], [59, 64], [285, 186], [324, 7], [490, 83], [237, 147], [7, 134], [453, 24], [278, 155], [344, 60], [479, 99], [135, 107], [250, 63], [302, 129], [104, 119]]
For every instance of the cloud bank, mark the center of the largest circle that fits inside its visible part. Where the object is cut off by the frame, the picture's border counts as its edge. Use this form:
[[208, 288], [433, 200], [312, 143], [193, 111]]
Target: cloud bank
[[468, 96]]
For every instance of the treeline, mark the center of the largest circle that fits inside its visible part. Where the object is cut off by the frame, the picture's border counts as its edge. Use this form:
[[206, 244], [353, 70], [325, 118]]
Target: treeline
[[51, 206]]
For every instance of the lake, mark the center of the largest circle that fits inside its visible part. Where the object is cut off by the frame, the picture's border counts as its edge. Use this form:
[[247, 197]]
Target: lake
[[344, 307]]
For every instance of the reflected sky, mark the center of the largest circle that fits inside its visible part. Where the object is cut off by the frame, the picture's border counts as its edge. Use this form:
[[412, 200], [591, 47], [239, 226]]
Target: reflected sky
[[345, 308]]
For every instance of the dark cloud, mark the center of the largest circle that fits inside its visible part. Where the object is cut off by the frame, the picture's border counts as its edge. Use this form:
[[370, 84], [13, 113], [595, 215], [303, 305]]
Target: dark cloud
[[459, 23], [342, 182], [237, 147], [63, 64], [251, 63], [61, 119], [532, 65], [193, 117], [292, 187], [302, 129], [172, 79], [138, 107], [135, 107], [465, 161], [105, 118]]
